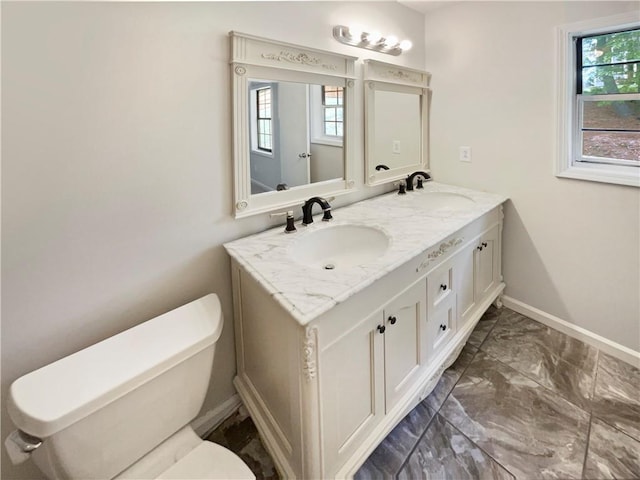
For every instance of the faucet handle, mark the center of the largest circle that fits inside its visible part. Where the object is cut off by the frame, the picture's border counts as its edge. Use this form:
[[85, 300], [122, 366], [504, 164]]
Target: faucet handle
[[402, 189], [290, 228]]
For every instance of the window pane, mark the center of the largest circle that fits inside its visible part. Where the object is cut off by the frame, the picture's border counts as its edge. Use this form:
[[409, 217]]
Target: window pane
[[332, 95], [339, 114], [611, 48], [340, 133], [611, 79], [616, 115], [330, 98], [329, 114], [264, 103], [621, 146], [330, 129], [336, 95], [601, 119]]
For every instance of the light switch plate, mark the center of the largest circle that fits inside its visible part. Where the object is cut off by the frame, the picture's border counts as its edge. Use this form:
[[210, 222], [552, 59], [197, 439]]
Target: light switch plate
[[465, 154]]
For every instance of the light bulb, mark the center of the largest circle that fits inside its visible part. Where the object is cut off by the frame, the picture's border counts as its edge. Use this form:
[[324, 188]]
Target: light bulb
[[391, 41], [355, 32], [373, 37], [406, 45]]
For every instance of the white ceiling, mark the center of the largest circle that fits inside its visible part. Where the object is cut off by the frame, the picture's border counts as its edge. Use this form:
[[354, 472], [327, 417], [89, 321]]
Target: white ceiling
[[425, 6]]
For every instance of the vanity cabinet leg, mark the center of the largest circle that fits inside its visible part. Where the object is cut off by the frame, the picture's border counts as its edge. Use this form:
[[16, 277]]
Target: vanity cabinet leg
[[498, 302]]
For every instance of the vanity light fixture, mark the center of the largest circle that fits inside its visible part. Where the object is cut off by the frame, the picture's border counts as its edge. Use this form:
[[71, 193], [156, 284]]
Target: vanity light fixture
[[356, 37]]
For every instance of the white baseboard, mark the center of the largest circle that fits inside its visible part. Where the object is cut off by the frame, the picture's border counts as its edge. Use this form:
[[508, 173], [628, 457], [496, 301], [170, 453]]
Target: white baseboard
[[207, 422], [612, 348]]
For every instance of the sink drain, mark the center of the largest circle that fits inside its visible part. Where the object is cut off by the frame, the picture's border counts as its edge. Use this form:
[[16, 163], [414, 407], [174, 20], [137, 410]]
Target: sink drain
[[329, 266]]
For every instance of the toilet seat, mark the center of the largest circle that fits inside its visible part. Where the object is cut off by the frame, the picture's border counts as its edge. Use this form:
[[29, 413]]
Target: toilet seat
[[208, 461]]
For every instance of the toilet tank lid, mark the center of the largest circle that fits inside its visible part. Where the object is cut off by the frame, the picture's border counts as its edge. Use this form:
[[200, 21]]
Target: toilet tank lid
[[57, 395]]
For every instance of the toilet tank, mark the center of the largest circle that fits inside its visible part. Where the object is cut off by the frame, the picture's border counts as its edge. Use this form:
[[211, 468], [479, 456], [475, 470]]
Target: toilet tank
[[102, 408]]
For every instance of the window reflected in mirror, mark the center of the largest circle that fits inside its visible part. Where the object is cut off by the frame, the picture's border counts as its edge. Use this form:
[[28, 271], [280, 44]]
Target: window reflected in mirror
[[296, 134]]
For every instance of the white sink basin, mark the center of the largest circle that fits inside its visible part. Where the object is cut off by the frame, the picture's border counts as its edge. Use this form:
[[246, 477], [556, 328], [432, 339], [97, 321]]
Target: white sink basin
[[339, 246], [445, 201]]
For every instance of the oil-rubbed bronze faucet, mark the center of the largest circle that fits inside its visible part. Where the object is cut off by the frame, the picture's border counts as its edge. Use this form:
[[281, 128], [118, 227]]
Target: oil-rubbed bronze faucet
[[411, 177], [307, 217]]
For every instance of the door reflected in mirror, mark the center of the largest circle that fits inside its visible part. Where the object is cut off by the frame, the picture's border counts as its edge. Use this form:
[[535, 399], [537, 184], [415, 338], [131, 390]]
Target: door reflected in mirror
[[295, 135]]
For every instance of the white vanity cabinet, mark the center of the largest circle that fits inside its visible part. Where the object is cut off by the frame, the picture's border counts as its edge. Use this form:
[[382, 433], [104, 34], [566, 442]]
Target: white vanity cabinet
[[325, 392]]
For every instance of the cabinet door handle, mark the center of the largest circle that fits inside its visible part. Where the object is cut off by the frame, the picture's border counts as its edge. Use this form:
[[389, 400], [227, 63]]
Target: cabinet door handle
[[443, 327], [443, 286], [479, 248], [392, 320], [484, 244], [381, 328]]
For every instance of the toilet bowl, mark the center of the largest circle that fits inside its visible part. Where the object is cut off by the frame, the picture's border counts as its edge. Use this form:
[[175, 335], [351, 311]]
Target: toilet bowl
[[121, 408]]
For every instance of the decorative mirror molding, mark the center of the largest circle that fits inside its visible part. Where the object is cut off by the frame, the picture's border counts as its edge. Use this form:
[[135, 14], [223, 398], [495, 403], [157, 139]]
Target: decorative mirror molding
[[273, 163], [396, 103]]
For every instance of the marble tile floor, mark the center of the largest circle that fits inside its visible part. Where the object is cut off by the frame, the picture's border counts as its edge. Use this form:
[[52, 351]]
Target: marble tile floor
[[521, 401]]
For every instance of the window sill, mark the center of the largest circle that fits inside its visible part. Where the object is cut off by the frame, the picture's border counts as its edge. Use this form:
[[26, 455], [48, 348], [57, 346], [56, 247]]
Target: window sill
[[615, 174], [261, 153], [326, 141]]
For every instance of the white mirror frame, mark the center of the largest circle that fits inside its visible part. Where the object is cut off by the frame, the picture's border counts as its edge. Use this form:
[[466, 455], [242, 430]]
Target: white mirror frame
[[380, 76], [256, 57]]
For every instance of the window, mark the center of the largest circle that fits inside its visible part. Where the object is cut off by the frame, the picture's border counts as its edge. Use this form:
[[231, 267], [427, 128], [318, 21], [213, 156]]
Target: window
[[326, 114], [599, 108], [332, 105], [264, 126]]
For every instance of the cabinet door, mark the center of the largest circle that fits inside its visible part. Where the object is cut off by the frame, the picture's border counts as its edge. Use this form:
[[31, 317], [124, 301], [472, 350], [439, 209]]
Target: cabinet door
[[352, 387], [487, 258], [465, 282], [404, 318], [442, 325]]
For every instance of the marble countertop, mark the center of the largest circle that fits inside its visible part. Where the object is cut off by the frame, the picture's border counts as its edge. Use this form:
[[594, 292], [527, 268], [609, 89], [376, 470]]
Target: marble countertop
[[412, 227]]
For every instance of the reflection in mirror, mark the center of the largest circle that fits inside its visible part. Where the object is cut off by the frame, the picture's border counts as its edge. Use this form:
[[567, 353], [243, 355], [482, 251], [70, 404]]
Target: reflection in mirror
[[396, 129], [396, 120], [296, 134], [292, 123]]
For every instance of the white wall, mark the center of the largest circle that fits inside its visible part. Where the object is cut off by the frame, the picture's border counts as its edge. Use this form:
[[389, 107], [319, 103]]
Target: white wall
[[398, 119], [326, 162], [571, 248], [117, 171]]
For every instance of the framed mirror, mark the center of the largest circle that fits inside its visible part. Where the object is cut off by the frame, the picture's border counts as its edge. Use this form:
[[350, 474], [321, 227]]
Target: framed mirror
[[292, 123], [396, 103]]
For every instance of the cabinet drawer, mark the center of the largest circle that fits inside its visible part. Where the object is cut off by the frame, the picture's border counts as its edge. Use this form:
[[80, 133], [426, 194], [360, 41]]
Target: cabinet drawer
[[442, 325], [440, 286]]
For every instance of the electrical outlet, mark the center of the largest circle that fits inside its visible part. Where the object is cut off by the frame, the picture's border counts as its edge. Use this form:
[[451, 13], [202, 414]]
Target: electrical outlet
[[465, 154], [395, 146]]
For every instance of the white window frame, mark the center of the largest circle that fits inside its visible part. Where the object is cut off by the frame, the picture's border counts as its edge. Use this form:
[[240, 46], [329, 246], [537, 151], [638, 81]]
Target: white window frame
[[569, 161], [317, 119]]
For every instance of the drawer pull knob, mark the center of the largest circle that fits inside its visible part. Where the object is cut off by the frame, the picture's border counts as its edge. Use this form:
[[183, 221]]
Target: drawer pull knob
[[443, 286], [392, 320], [381, 328], [443, 327]]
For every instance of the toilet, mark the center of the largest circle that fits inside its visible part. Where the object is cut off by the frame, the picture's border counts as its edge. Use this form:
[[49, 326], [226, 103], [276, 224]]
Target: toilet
[[121, 408]]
